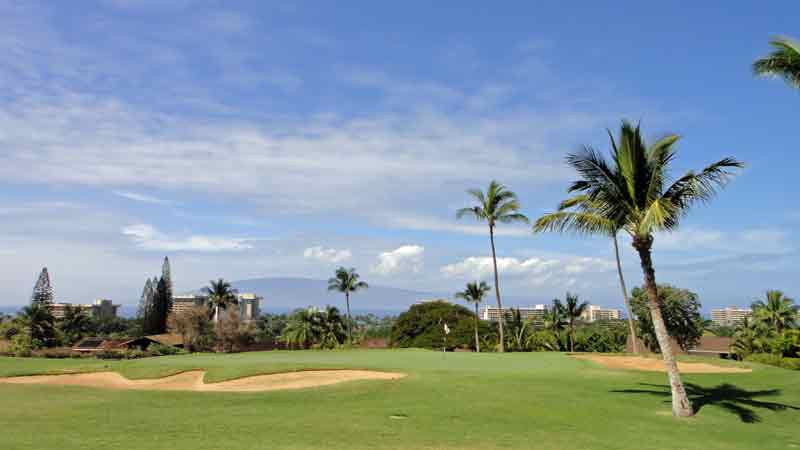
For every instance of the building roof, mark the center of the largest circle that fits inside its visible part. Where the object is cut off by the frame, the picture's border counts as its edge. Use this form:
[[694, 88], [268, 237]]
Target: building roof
[[167, 339], [713, 344]]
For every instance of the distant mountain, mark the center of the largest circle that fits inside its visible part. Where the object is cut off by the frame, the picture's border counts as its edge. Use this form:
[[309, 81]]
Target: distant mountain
[[285, 294]]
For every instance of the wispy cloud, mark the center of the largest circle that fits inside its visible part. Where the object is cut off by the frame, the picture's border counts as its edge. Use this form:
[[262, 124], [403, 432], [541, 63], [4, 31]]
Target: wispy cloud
[[440, 225], [536, 271], [147, 237], [141, 197]]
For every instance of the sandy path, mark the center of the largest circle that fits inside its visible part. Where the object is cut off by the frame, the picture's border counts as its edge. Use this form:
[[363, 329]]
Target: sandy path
[[193, 380], [656, 365]]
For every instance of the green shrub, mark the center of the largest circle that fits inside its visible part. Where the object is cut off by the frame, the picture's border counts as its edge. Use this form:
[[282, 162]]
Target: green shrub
[[109, 354], [422, 326], [775, 360], [164, 350]]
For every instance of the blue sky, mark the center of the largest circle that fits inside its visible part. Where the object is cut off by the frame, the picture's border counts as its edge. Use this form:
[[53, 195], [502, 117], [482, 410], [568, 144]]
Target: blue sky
[[249, 139]]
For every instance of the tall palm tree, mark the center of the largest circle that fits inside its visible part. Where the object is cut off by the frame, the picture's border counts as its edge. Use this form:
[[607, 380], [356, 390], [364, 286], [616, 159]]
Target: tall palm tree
[[582, 207], [497, 205], [301, 329], [778, 311], [573, 309], [632, 189], [783, 62], [751, 336], [474, 293], [220, 294], [347, 281], [555, 322]]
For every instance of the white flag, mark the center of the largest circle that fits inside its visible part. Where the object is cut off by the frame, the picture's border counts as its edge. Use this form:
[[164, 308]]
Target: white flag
[[446, 329]]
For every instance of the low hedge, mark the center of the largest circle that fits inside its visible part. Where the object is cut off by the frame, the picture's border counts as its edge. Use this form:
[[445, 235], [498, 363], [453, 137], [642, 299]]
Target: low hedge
[[775, 360]]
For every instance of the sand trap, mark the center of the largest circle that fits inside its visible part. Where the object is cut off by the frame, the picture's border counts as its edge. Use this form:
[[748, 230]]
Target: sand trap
[[656, 365], [193, 380]]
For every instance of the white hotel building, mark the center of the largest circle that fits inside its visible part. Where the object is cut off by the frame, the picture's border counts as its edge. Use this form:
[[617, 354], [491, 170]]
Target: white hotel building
[[536, 313], [729, 316]]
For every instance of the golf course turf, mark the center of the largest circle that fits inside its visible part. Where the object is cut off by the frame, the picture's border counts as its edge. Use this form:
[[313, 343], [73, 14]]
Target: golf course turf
[[453, 400]]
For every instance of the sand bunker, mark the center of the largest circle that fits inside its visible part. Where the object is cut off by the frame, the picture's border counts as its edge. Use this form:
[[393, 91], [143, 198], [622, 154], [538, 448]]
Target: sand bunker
[[656, 365], [193, 380]]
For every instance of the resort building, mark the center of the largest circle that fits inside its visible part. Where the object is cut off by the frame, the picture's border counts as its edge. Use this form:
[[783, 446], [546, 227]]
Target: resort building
[[729, 316], [533, 313], [101, 308], [593, 313], [248, 304]]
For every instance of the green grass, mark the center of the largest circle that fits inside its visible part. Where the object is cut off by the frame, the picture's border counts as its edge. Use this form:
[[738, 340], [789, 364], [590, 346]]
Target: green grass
[[454, 400]]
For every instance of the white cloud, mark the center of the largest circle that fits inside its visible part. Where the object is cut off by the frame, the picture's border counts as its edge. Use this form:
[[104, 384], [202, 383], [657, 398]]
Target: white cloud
[[754, 240], [147, 237], [135, 196], [463, 227], [535, 270], [401, 259], [330, 255]]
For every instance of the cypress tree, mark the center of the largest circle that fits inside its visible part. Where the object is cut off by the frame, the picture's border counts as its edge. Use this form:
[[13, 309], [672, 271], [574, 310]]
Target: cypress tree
[[162, 306], [144, 301], [42, 290], [166, 275]]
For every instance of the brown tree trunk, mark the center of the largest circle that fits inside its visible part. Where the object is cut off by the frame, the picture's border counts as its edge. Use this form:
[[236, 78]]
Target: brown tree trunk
[[680, 402], [501, 317], [625, 297], [477, 341], [349, 319]]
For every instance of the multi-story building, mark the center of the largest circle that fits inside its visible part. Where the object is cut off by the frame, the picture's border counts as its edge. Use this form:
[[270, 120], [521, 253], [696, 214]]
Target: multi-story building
[[729, 316], [593, 313], [533, 313], [248, 304], [101, 308]]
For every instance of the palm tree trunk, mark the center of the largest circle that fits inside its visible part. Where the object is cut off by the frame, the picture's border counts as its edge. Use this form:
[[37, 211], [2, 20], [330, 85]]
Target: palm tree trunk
[[497, 291], [349, 319], [680, 402], [477, 341], [571, 336], [625, 297]]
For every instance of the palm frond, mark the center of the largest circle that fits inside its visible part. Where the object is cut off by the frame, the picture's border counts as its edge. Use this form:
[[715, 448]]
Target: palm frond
[[582, 223], [700, 187], [782, 62]]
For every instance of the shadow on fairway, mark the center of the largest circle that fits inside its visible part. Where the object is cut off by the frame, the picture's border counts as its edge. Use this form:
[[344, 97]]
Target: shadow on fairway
[[727, 396]]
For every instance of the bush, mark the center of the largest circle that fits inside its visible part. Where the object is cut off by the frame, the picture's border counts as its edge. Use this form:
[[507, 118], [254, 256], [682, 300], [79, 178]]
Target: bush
[[109, 354], [163, 350], [775, 360], [422, 326], [54, 353]]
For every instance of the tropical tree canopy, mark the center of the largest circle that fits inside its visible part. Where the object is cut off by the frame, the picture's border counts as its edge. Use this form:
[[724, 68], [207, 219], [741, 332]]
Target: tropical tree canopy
[[783, 62], [777, 311], [498, 204], [474, 292], [632, 191], [680, 309], [311, 327], [220, 293], [346, 281]]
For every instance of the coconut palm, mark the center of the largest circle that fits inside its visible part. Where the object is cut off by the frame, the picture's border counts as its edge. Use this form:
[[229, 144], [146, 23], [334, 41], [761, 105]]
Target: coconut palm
[[474, 293], [347, 281], [301, 329], [497, 205], [778, 311], [583, 207], [751, 336], [783, 62], [331, 328], [220, 294], [632, 189], [573, 309]]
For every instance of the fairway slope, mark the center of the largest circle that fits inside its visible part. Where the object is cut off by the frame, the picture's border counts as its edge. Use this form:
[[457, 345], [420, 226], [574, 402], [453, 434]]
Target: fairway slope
[[656, 365], [193, 380]]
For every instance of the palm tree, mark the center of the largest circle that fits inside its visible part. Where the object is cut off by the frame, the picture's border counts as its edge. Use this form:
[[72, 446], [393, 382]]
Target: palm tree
[[347, 281], [751, 336], [778, 311], [220, 294], [632, 190], [497, 205], [783, 62], [583, 208], [573, 309], [474, 293], [555, 322], [38, 320], [301, 329], [331, 327]]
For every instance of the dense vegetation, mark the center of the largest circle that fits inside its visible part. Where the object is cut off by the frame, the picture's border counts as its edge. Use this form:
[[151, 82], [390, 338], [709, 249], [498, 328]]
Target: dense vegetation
[[772, 335]]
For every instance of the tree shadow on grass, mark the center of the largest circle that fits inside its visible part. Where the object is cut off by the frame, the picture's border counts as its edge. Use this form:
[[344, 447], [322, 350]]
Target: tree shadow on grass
[[727, 396]]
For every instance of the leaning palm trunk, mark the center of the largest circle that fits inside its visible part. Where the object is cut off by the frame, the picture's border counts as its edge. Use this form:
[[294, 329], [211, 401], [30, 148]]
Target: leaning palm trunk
[[625, 296], [477, 341], [502, 317], [680, 402]]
